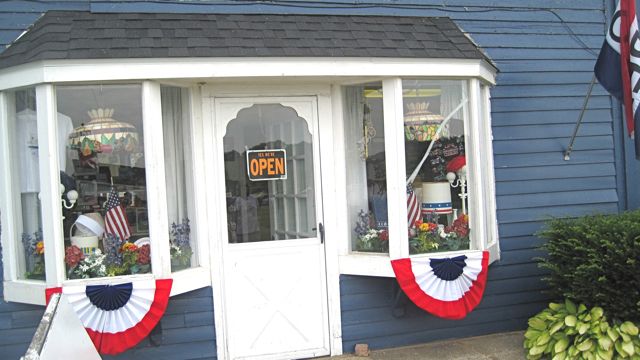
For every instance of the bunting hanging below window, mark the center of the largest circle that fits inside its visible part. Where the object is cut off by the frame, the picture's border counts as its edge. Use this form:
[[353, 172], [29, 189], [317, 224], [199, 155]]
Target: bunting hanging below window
[[118, 316], [448, 287]]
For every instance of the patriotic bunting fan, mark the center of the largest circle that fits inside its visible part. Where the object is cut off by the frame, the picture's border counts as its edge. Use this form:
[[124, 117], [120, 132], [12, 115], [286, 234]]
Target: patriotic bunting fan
[[446, 287], [117, 317]]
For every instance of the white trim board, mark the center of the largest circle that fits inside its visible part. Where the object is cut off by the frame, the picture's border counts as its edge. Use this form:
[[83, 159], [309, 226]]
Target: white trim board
[[64, 71]]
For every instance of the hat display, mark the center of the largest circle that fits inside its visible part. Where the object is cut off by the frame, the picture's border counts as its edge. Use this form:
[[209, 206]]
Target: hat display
[[90, 224], [436, 198], [88, 229]]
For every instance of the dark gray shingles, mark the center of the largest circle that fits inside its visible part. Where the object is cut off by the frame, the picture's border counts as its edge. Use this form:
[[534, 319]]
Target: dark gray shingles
[[78, 35]]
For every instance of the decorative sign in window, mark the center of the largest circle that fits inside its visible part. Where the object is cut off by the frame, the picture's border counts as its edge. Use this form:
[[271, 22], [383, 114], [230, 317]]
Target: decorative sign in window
[[267, 164]]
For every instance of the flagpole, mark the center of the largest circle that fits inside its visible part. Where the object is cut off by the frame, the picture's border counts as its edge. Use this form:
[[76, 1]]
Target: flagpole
[[567, 153]]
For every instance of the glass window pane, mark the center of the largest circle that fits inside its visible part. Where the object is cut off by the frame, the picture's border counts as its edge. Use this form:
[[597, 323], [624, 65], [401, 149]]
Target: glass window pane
[[26, 178], [107, 230], [260, 207], [366, 168], [435, 161], [175, 125]]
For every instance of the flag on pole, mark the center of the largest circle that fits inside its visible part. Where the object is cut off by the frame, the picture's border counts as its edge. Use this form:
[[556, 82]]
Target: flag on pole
[[116, 222], [413, 206], [618, 66]]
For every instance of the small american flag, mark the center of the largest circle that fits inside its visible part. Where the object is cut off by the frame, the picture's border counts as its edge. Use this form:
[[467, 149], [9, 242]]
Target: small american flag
[[116, 222], [413, 206]]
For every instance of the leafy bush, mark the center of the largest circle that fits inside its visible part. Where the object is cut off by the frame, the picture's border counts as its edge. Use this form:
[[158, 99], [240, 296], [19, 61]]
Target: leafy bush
[[567, 331], [595, 260]]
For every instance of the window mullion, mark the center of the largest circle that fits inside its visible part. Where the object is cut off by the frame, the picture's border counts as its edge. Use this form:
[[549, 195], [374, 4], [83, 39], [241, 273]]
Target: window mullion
[[9, 200], [476, 172], [489, 177], [50, 184], [156, 186], [395, 167]]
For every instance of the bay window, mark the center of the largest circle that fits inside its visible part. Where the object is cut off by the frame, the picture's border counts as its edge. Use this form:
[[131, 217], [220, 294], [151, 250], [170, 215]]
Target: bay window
[[99, 186], [418, 171]]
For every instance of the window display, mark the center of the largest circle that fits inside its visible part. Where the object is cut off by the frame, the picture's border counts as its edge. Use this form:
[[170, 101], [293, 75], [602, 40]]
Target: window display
[[27, 176], [175, 126], [367, 178], [106, 232], [434, 128], [433, 140]]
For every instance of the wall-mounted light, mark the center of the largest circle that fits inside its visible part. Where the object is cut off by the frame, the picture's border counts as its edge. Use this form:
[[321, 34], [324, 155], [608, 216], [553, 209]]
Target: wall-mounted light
[[72, 196]]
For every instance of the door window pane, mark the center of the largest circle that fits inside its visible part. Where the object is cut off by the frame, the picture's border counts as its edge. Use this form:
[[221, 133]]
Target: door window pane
[[263, 141], [435, 154]]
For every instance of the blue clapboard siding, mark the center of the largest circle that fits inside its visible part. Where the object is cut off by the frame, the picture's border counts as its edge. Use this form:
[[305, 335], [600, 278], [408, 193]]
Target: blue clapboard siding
[[185, 332], [544, 74]]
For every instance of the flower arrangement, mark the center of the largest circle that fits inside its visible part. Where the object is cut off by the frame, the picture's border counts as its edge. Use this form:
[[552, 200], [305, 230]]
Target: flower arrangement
[[34, 252], [120, 258], [429, 236], [180, 245], [369, 238], [84, 267], [456, 236], [423, 237]]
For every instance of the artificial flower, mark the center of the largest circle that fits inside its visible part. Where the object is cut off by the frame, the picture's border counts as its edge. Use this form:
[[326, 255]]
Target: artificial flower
[[73, 256], [40, 248]]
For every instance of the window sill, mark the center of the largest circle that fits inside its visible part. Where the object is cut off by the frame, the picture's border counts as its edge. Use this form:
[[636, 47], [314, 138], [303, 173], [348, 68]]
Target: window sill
[[33, 292], [25, 292], [190, 279], [372, 264]]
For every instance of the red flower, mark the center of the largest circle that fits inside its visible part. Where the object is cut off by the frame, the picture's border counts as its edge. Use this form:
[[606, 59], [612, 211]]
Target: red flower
[[456, 163], [384, 235], [128, 247], [73, 255], [417, 223], [144, 254], [460, 226]]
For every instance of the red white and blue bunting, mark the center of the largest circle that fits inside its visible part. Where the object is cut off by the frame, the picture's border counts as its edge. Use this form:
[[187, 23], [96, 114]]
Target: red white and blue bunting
[[118, 316], [448, 287]]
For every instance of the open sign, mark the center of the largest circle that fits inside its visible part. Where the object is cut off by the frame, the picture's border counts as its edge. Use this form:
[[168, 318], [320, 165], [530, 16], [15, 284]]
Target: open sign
[[267, 164]]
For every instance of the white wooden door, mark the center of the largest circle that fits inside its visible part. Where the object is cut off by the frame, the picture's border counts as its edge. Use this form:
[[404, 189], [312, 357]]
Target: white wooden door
[[275, 300]]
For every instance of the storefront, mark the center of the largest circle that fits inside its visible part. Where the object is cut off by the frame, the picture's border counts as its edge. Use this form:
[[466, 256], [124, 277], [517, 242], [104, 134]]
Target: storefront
[[261, 155]]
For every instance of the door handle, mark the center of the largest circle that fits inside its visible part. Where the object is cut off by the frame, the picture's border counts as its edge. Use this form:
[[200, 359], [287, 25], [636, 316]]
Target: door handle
[[321, 230]]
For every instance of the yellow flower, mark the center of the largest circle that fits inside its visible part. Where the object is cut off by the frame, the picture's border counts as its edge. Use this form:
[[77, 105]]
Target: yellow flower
[[40, 248], [129, 247], [424, 227]]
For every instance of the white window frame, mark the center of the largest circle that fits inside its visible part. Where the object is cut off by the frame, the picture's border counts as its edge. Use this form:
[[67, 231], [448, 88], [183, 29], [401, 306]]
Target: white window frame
[[32, 291], [482, 203], [191, 73]]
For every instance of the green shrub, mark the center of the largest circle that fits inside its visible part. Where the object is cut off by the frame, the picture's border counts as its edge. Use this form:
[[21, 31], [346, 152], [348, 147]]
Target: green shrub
[[567, 331], [595, 260]]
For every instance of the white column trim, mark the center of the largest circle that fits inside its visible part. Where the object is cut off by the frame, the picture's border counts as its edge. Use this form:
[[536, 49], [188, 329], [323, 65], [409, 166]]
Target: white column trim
[[333, 240], [475, 169], [10, 213], [155, 179], [395, 166], [50, 184]]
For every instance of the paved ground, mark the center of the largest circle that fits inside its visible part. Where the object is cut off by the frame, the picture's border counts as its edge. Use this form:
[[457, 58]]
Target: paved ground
[[504, 346]]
